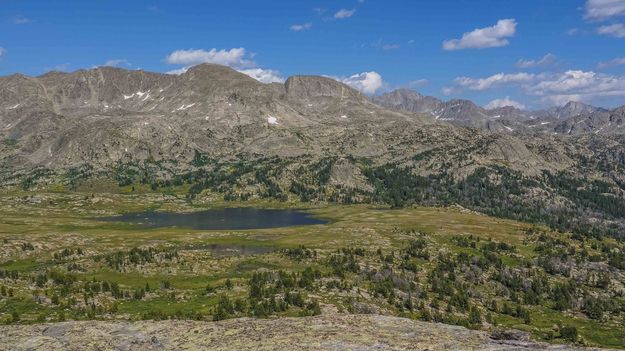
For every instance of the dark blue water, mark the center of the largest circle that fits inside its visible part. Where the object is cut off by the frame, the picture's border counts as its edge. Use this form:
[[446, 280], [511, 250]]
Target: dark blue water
[[219, 219]]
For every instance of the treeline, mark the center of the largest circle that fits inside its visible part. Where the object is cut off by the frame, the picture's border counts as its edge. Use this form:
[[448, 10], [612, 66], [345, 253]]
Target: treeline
[[502, 192]]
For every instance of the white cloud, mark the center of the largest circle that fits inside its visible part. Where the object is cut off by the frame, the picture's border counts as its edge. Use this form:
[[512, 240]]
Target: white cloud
[[365, 82], [603, 9], [504, 103], [380, 44], [263, 75], [390, 47], [615, 62], [488, 37], [573, 31], [116, 63], [573, 85], [301, 27], [418, 83], [235, 57], [320, 10], [3, 51], [344, 13], [561, 100], [20, 20], [613, 30], [580, 83], [494, 80], [544, 61], [179, 71], [448, 91]]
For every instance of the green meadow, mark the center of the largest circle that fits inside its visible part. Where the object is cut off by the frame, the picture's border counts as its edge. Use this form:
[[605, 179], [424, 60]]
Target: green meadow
[[449, 265]]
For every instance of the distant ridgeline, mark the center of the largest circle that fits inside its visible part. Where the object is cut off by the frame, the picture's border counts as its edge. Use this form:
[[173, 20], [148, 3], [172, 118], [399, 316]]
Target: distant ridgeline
[[562, 200]]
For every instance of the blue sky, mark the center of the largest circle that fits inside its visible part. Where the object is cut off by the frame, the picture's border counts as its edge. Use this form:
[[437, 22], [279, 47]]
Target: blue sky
[[531, 53]]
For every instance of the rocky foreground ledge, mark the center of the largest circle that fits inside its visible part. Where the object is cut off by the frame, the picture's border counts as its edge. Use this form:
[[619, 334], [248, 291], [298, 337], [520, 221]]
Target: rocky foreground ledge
[[329, 332]]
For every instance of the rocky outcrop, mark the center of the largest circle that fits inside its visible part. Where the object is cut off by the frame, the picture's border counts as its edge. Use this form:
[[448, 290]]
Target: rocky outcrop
[[327, 332]]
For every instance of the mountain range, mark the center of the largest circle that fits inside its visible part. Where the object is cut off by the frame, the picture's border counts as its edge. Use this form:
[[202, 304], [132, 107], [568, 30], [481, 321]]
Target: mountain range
[[317, 138], [557, 119], [107, 114]]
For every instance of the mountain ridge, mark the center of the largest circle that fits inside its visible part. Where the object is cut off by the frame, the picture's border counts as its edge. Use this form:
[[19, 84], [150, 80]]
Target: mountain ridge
[[133, 126], [502, 119], [107, 115]]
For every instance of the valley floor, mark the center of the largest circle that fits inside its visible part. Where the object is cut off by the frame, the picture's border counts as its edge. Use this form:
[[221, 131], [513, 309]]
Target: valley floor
[[58, 265]]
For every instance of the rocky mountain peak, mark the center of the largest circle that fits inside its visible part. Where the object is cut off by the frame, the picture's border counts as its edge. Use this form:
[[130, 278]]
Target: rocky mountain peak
[[406, 93], [218, 74], [52, 74], [459, 109], [312, 87], [506, 110], [408, 100], [216, 82], [571, 109]]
